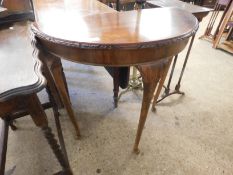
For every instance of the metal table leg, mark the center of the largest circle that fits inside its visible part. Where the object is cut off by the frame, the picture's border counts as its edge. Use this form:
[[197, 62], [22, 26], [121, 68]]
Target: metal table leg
[[177, 87]]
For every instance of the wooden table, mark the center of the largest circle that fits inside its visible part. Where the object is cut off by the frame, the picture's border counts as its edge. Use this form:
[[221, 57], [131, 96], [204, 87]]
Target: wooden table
[[121, 77], [81, 31], [21, 78]]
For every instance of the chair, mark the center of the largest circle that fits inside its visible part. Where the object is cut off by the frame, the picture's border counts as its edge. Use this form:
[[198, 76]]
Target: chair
[[18, 92], [22, 11]]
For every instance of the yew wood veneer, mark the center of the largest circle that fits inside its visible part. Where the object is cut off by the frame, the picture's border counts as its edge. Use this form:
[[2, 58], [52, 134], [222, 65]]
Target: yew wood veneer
[[62, 30]]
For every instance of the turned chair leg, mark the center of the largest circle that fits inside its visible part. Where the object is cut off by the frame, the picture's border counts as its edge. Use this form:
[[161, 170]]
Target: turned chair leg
[[150, 77], [39, 117], [58, 124]]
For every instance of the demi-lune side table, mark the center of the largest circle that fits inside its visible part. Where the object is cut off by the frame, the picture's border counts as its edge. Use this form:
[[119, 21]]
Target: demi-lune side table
[[114, 39]]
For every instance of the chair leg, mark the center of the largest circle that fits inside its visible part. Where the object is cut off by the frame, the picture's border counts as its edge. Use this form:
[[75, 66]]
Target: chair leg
[[39, 117], [3, 145], [58, 125]]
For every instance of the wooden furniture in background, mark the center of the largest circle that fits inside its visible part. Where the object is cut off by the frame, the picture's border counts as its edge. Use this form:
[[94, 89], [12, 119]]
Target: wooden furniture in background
[[21, 78], [209, 34], [114, 39], [17, 5], [227, 22], [17, 10], [227, 44]]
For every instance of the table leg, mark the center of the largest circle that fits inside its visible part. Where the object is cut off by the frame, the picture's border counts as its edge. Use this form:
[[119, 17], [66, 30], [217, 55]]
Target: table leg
[[116, 85], [54, 73], [64, 80], [150, 76], [57, 74], [177, 87], [52, 92], [39, 117], [161, 83]]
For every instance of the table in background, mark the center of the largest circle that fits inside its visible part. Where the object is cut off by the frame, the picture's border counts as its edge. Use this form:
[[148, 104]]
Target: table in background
[[199, 12]]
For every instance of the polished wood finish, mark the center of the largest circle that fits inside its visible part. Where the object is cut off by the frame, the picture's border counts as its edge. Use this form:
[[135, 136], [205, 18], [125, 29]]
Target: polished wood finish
[[53, 71], [114, 39], [18, 66], [196, 10], [83, 8], [133, 35], [151, 74], [69, 9]]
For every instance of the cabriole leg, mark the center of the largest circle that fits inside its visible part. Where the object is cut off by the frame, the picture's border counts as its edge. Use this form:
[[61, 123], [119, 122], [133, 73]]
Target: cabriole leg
[[150, 76]]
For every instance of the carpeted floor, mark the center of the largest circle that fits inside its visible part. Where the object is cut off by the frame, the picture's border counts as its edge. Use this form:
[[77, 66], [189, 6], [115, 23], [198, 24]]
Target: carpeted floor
[[189, 135]]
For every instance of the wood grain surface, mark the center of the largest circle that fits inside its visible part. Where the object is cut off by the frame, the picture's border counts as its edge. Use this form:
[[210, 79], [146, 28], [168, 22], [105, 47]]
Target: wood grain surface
[[20, 74]]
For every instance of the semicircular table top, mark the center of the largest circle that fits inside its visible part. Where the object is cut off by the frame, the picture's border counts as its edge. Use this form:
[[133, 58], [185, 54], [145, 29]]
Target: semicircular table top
[[91, 24], [20, 74]]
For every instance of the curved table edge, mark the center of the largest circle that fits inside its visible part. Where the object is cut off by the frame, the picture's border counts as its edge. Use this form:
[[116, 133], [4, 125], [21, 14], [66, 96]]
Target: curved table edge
[[33, 88]]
